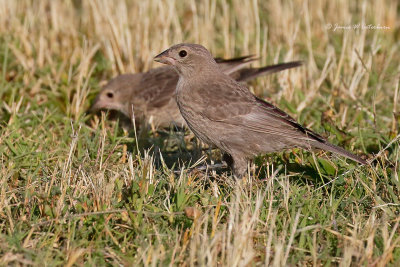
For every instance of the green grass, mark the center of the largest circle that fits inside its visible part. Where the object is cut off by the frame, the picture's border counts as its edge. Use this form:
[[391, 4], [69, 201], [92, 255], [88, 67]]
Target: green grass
[[75, 189]]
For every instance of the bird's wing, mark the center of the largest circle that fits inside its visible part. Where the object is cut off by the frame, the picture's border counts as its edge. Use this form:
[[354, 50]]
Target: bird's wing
[[234, 104], [157, 87]]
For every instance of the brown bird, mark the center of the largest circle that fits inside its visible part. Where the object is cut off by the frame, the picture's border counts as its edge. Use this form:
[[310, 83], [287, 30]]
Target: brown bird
[[149, 96], [224, 113]]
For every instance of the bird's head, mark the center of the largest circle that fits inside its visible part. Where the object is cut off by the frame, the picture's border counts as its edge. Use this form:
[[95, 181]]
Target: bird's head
[[115, 95], [188, 59]]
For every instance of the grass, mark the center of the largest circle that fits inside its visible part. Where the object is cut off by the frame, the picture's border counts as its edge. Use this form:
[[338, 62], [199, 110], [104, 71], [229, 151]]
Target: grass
[[77, 189]]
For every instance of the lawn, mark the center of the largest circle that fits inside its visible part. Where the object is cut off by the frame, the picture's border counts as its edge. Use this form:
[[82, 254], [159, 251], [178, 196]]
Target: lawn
[[84, 189]]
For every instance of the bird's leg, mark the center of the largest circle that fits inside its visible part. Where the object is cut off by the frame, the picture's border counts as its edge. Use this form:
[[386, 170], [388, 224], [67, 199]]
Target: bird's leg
[[239, 166], [228, 159]]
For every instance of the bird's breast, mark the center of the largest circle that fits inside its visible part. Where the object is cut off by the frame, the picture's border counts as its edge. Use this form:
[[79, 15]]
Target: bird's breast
[[191, 110]]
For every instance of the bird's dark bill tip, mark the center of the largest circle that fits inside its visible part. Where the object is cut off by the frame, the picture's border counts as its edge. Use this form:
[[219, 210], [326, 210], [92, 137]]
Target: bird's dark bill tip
[[94, 107]]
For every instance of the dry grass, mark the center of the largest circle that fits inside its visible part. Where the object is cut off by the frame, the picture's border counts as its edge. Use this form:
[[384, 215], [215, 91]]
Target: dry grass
[[70, 195]]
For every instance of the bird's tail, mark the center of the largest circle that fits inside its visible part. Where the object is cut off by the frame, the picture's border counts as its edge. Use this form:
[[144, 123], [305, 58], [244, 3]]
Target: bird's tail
[[233, 65], [338, 150], [246, 74]]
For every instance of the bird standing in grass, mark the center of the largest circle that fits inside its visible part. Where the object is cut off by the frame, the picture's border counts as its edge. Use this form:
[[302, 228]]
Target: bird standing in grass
[[223, 112], [149, 96]]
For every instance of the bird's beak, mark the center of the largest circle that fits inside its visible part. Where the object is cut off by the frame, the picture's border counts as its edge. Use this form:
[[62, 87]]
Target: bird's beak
[[165, 58], [96, 106]]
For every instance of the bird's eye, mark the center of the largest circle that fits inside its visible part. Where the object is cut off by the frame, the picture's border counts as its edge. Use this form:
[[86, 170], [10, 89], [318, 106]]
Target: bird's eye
[[110, 95], [182, 53]]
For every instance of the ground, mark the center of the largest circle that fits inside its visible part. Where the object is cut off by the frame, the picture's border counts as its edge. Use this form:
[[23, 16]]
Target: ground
[[77, 189]]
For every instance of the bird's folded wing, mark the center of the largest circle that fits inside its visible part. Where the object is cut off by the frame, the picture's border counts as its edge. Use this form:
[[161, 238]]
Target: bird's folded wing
[[157, 87], [235, 105]]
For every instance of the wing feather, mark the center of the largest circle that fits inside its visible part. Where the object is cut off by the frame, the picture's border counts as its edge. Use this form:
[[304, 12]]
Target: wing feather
[[239, 107]]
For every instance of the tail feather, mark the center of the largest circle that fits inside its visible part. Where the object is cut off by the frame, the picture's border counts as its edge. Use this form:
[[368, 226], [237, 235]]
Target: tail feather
[[236, 59], [243, 75], [233, 65], [338, 150]]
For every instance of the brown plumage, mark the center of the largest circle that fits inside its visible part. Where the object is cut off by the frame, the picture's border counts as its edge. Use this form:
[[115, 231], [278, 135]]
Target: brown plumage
[[224, 113], [150, 95]]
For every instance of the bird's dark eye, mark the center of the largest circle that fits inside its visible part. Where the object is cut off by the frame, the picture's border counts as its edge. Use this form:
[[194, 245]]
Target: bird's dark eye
[[110, 95], [182, 53]]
